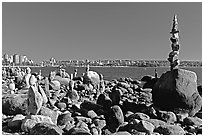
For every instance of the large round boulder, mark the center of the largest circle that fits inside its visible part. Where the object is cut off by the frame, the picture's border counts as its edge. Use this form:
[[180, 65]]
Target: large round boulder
[[177, 91], [91, 77]]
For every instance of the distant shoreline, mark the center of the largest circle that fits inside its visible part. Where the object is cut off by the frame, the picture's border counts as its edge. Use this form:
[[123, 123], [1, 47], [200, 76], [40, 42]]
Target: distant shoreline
[[102, 66]]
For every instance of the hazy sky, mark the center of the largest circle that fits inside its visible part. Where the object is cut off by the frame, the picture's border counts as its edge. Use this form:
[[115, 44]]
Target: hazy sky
[[100, 30]]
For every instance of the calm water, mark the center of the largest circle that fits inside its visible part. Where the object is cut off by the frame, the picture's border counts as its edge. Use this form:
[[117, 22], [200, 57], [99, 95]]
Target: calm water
[[110, 73]]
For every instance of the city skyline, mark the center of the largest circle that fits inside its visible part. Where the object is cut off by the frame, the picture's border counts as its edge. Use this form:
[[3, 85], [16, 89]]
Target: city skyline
[[94, 31]]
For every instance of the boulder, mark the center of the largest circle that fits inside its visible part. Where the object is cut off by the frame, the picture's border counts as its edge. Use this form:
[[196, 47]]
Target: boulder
[[124, 85], [181, 117], [61, 105], [114, 118], [44, 111], [115, 96], [104, 101], [77, 131], [91, 114], [45, 129], [122, 133], [192, 121], [30, 121], [144, 126], [147, 78], [176, 91], [84, 119], [91, 77], [82, 125], [99, 123], [15, 123], [35, 100], [88, 105], [63, 81], [55, 84], [94, 131], [167, 116], [42, 92], [200, 90], [13, 104], [170, 130], [139, 116], [156, 122], [63, 119]]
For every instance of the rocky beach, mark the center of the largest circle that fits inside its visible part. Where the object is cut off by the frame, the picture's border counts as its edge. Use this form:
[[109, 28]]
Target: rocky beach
[[69, 104]]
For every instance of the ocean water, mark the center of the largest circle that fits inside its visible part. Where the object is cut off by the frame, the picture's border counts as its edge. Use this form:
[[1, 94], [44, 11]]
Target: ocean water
[[110, 73]]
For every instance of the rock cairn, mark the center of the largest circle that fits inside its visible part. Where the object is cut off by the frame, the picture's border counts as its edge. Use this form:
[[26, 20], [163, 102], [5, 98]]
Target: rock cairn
[[173, 55]]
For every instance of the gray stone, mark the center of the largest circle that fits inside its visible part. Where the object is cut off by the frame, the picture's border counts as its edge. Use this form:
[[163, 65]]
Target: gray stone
[[35, 100], [99, 123], [181, 117], [50, 113], [91, 77], [63, 119], [94, 131], [139, 116], [91, 114], [42, 92], [156, 122], [46, 129], [176, 91], [115, 118], [122, 133], [84, 119], [167, 116], [30, 121], [170, 130], [193, 121], [115, 96], [13, 104], [77, 131], [144, 126], [16, 121]]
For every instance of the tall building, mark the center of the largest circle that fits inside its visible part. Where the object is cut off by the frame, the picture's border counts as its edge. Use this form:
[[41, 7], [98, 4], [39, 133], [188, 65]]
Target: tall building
[[6, 58], [21, 59], [16, 59]]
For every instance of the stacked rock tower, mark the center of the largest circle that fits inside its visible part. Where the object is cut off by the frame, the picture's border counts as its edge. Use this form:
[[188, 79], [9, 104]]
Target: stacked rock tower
[[173, 55]]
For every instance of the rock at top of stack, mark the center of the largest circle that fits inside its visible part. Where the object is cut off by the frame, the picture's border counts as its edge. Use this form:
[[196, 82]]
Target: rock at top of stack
[[176, 91]]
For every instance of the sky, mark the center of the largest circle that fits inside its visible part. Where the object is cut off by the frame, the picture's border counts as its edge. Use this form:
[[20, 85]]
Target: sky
[[87, 30]]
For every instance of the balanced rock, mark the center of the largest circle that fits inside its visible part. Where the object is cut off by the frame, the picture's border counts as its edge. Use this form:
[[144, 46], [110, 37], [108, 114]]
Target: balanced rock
[[176, 91], [46, 129], [35, 100], [13, 104]]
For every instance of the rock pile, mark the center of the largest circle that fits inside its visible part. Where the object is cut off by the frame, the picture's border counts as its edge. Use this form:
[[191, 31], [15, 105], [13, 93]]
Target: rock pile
[[124, 108]]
